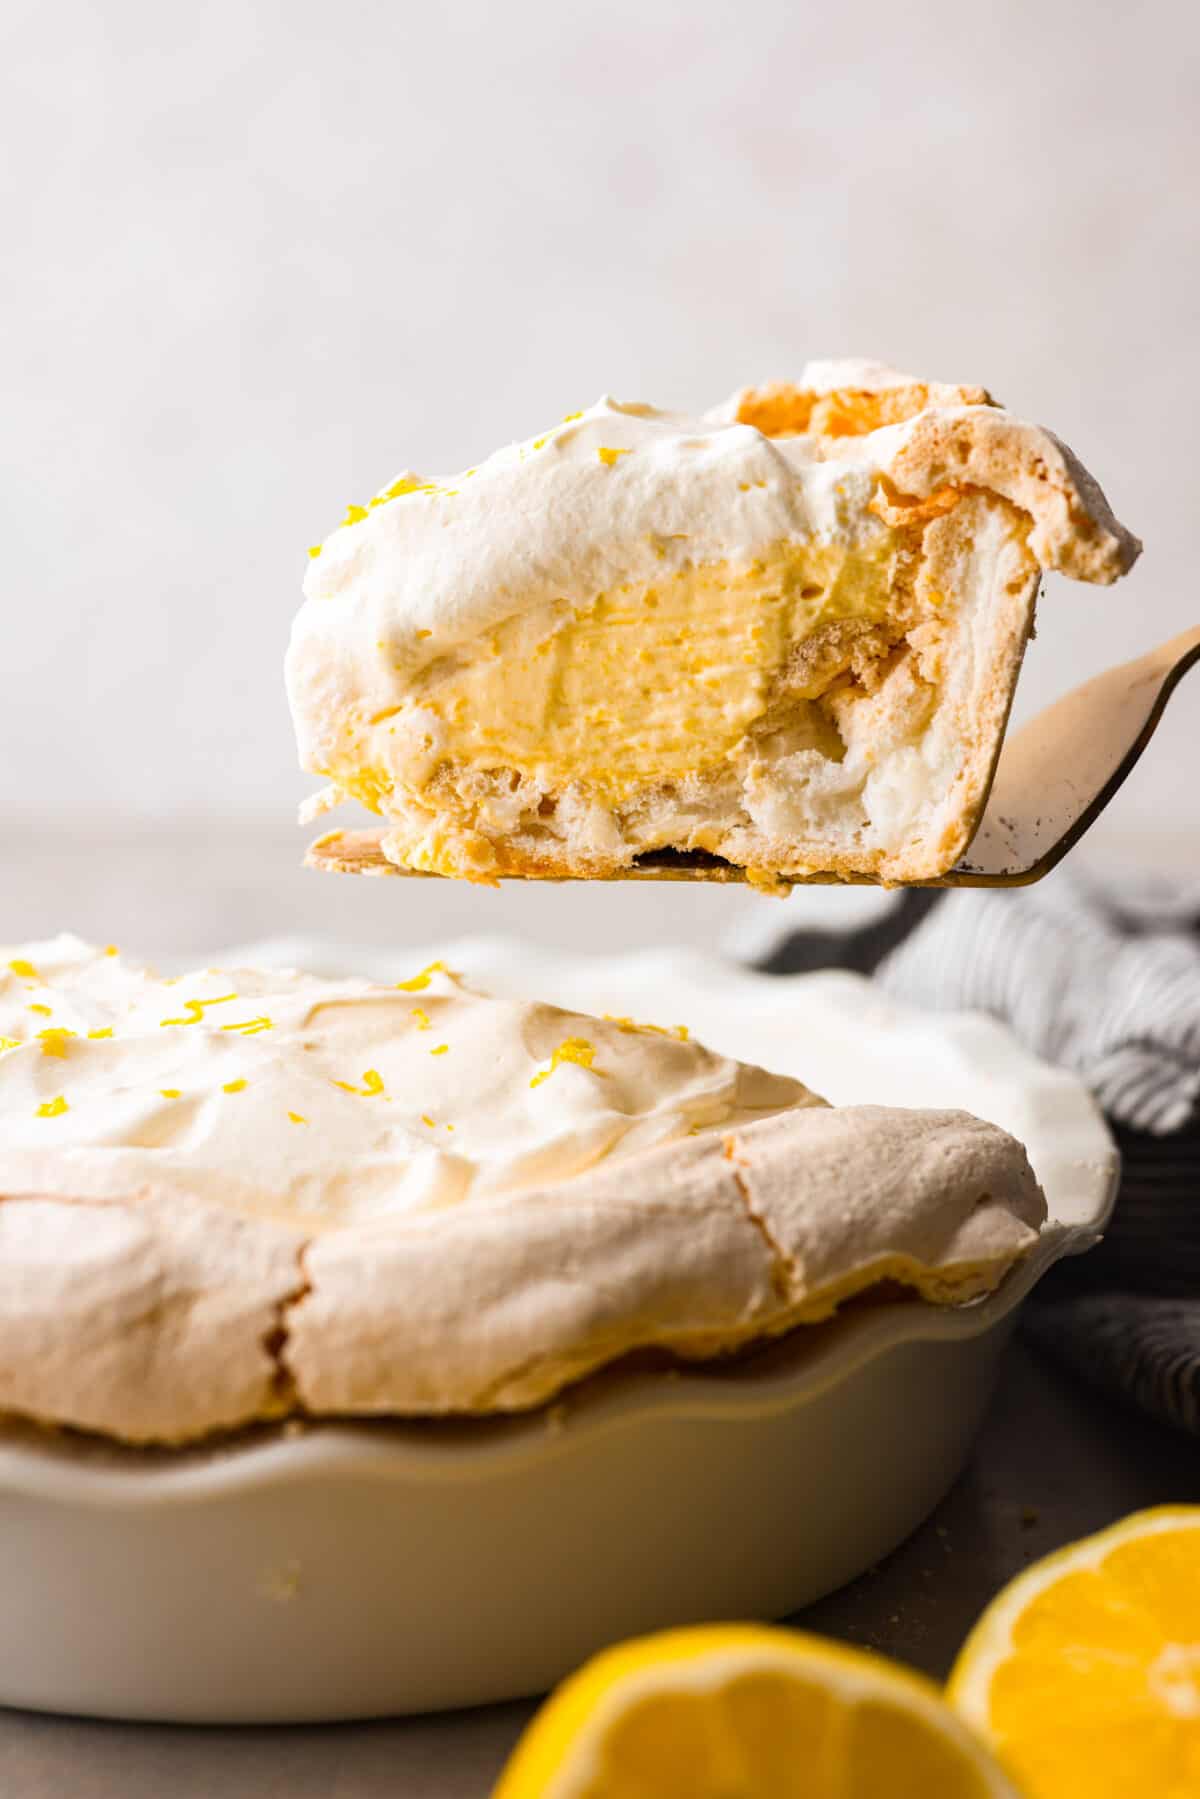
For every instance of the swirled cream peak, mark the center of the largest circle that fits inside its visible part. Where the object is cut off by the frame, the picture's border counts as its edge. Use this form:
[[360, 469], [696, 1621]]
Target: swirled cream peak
[[330, 1101]]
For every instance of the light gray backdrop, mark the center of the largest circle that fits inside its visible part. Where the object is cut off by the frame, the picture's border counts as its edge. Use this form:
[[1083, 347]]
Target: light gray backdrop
[[257, 257]]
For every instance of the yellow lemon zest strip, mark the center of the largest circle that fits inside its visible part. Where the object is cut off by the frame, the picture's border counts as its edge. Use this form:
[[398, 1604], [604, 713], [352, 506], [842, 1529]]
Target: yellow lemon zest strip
[[54, 1040], [96, 1035], [571, 1049], [235, 1087], [53, 1108], [169, 1092], [407, 484], [371, 1088], [196, 1009], [420, 981], [426, 1119], [248, 1026], [422, 1018], [42, 1011], [297, 1118], [9, 1043], [629, 1025], [26, 970], [608, 457]]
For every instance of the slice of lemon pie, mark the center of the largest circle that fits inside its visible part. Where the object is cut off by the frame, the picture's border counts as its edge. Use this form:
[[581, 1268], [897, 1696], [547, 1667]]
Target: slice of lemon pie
[[239, 1195], [786, 635]]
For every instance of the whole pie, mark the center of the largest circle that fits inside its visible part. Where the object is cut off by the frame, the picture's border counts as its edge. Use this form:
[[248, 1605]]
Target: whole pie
[[785, 635], [235, 1196]]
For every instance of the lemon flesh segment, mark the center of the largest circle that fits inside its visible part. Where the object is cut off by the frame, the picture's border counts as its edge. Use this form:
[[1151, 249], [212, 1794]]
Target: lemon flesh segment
[[739, 1712], [1084, 1673]]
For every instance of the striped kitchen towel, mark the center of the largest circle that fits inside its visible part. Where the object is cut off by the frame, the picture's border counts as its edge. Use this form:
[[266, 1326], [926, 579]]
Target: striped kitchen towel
[[1104, 981]]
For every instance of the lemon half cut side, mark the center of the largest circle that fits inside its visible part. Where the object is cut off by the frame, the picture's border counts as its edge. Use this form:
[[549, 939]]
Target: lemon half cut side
[[1084, 1673], [747, 1712]]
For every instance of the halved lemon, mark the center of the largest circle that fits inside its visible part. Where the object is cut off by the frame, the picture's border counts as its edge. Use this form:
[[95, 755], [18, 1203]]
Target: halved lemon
[[746, 1712], [1084, 1673]]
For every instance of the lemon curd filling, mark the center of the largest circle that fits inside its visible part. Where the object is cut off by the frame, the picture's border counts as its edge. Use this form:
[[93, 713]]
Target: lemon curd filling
[[645, 685]]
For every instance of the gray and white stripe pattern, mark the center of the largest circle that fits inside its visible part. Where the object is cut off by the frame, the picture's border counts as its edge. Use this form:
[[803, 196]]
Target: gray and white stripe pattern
[[1142, 1345], [1109, 988]]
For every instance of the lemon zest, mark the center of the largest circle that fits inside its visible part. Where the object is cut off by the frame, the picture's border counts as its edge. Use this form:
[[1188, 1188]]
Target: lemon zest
[[405, 485], [371, 1088], [680, 1032], [238, 1086], [608, 457], [440, 1049], [249, 1026], [96, 1035], [53, 1108], [25, 969], [54, 1040], [196, 1008], [169, 1092], [297, 1118], [422, 1018], [43, 1011], [571, 1049], [420, 981]]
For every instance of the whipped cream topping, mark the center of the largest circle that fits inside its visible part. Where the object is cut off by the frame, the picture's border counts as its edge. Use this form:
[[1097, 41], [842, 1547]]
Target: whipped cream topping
[[618, 495], [330, 1102]]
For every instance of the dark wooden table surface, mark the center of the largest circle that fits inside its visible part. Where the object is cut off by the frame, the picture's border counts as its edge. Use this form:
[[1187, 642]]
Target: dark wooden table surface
[[1054, 1461]]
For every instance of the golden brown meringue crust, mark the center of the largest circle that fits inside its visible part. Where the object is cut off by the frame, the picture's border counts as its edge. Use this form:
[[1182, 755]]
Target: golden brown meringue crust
[[783, 410], [159, 1319], [160, 1285]]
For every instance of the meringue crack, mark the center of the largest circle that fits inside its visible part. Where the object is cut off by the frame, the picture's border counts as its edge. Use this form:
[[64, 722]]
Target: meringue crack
[[783, 1268]]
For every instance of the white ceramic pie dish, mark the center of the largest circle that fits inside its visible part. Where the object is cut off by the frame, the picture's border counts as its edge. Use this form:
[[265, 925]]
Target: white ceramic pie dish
[[341, 1571]]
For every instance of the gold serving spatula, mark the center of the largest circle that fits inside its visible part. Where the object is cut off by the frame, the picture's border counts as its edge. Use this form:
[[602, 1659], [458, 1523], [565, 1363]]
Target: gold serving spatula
[[1054, 778]]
